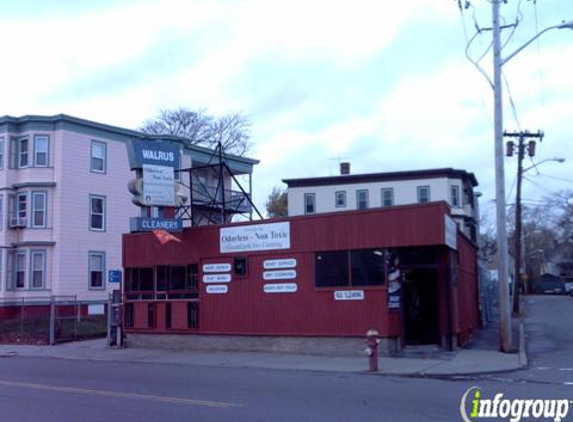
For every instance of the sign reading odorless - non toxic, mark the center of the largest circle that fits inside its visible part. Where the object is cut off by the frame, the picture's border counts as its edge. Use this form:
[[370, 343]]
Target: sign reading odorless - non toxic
[[256, 237], [157, 161], [158, 188]]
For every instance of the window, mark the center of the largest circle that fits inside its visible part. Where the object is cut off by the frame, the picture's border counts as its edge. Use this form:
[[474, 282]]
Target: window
[[18, 210], [41, 147], [331, 269], [340, 199], [423, 194], [387, 197], [38, 269], [1, 211], [309, 203], [139, 279], [178, 278], [98, 157], [151, 315], [455, 196], [240, 266], [2, 149], [129, 315], [367, 267], [168, 315], [97, 213], [193, 315], [96, 270], [38, 209], [20, 267], [22, 152], [361, 199], [363, 267]]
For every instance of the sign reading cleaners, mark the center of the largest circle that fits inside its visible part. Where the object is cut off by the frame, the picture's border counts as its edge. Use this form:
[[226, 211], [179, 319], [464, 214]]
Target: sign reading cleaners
[[158, 161], [259, 237]]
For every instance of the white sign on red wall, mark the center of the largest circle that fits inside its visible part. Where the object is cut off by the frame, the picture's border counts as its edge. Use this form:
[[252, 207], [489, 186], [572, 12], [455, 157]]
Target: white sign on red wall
[[256, 237]]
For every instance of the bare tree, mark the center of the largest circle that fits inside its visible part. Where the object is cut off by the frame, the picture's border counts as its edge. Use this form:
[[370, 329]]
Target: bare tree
[[200, 128], [559, 210], [276, 204]]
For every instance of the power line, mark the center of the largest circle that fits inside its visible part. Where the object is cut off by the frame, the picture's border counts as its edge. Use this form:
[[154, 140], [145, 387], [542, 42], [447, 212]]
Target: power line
[[511, 101], [467, 5], [537, 42], [556, 178]]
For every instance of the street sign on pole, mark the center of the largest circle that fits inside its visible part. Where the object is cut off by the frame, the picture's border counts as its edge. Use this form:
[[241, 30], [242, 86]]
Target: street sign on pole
[[114, 276]]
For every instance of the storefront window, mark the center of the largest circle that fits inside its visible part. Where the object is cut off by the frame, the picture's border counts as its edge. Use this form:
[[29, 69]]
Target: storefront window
[[331, 269], [367, 267]]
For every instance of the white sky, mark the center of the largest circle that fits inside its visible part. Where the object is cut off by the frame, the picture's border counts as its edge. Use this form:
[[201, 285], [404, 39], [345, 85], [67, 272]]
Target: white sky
[[384, 85]]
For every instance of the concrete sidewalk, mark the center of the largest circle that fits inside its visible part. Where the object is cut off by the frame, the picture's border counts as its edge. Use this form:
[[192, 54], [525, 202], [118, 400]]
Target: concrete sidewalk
[[462, 362]]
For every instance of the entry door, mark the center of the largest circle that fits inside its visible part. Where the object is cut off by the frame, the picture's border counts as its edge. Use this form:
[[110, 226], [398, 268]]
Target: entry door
[[420, 307]]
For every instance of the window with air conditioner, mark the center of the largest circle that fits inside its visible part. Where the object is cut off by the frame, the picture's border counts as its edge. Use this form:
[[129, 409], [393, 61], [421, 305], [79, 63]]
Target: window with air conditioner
[[19, 210]]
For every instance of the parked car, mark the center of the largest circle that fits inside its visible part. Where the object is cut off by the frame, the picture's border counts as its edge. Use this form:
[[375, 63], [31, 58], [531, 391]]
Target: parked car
[[569, 288]]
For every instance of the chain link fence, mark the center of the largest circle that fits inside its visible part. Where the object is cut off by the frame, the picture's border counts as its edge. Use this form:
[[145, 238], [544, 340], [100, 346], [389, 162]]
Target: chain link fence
[[50, 320]]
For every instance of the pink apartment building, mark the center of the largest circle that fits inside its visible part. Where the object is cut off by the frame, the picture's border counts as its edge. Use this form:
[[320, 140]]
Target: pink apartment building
[[64, 203]]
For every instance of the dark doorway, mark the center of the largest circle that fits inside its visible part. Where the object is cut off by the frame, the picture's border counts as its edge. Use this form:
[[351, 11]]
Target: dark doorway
[[420, 306]]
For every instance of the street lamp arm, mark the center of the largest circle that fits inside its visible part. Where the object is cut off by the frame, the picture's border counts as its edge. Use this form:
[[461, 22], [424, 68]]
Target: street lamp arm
[[563, 25], [558, 160]]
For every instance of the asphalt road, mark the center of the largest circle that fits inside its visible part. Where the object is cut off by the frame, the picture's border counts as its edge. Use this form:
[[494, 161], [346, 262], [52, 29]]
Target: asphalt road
[[59, 390], [54, 390], [549, 333]]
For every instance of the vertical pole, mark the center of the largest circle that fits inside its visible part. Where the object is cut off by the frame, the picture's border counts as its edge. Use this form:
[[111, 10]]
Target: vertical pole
[[518, 261], [52, 321], [250, 196], [222, 182], [504, 311], [22, 319], [109, 302]]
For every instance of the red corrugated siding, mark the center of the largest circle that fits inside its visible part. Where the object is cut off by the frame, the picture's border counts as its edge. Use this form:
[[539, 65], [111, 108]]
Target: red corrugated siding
[[246, 309], [467, 304]]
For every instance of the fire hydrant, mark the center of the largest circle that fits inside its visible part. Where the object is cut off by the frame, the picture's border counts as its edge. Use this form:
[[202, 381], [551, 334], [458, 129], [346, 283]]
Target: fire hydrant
[[372, 339]]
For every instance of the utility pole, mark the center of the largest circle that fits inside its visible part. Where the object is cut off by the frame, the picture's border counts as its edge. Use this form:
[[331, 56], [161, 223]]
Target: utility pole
[[504, 312], [518, 256]]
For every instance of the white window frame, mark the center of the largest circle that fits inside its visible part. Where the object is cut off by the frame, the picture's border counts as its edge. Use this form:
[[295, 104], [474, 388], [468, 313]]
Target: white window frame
[[23, 153], [21, 212], [341, 194], [383, 198], [455, 196], [93, 156], [33, 254], [2, 151], [307, 197], [17, 269], [429, 197], [42, 138], [360, 192], [44, 209], [92, 213], [90, 270]]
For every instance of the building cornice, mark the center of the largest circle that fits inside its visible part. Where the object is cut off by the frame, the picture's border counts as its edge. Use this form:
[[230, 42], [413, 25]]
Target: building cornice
[[382, 177]]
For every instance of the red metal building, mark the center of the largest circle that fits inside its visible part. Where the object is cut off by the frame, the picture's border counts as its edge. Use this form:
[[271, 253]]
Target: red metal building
[[406, 271]]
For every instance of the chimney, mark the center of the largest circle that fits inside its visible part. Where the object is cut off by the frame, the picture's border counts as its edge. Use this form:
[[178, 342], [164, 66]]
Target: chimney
[[344, 168]]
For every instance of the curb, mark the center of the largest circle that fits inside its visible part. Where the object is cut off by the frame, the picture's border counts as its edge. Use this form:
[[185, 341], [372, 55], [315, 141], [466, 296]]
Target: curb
[[522, 351]]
